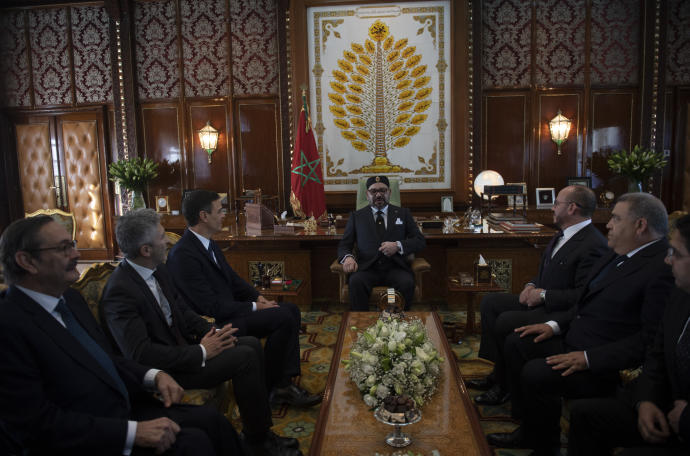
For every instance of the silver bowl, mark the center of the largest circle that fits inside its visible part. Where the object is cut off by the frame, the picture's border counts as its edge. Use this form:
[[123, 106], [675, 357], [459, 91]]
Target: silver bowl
[[397, 438]]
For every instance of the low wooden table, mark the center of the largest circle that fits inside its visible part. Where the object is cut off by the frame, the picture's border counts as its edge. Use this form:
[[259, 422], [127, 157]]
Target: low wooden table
[[472, 292], [346, 426]]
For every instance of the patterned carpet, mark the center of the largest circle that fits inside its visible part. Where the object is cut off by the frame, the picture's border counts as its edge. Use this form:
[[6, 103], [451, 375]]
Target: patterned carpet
[[316, 348]]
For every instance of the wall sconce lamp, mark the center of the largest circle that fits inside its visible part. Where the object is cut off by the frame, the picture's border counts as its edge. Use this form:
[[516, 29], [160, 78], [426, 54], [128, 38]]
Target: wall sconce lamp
[[209, 139], [559, 127]]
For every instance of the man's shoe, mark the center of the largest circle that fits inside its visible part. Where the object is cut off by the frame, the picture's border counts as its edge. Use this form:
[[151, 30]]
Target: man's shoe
[[285, 442], [495, 396], [513, 439], [294, 395], [480, 383], [274, 445]]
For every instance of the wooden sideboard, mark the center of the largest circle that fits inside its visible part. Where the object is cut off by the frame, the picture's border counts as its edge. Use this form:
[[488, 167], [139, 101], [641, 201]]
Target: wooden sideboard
[[308, 256]]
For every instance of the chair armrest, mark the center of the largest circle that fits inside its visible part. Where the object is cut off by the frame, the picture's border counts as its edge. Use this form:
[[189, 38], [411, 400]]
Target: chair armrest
[[420, 265], [336, 267]]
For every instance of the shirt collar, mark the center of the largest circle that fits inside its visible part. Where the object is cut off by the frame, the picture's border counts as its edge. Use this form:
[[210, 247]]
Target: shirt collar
[[384, 210], [204, 241], [49, 303], [634, 251], [573, 229], [144, 272]]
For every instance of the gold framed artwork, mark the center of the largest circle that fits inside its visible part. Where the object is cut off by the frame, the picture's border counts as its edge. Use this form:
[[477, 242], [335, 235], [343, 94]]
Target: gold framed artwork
[[400, 125]]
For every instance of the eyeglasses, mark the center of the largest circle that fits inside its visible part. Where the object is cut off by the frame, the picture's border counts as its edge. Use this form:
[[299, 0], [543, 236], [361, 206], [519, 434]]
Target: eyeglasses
[[64, 247], [374, 191], [556, 203], [674, 253]]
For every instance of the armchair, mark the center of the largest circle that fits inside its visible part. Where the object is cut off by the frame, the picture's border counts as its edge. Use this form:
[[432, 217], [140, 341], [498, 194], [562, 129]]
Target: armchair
[[419, 265], [66, 219]]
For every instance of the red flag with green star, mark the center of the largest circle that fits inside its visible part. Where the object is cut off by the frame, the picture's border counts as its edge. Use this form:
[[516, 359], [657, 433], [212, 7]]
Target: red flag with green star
[[307, 197]]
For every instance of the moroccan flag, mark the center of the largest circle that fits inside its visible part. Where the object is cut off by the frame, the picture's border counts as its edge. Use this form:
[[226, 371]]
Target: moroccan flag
[[307, 197]]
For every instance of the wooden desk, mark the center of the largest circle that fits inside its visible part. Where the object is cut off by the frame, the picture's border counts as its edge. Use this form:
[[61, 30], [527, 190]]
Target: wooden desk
[[347, 427], [309, 256], [472, 292]]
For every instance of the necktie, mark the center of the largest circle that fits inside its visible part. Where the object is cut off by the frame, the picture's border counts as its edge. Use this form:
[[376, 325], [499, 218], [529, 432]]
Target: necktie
[[166, 307], [683, 358], [554, 240], [210, 253], [606, 270], [163, 302], [380, 225], [95, 350]]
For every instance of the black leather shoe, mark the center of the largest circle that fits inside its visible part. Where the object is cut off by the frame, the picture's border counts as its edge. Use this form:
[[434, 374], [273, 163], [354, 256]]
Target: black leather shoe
[[285, 442], [294, 395], [513, 439], [480, 383], [495, 396], [273, 445]]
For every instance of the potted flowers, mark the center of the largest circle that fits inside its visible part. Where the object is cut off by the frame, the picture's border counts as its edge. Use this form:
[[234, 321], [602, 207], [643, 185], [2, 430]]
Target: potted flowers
[[133, 175], [637, 165]]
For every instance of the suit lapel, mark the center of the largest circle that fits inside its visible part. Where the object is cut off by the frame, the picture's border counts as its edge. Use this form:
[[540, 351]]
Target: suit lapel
[[201, 250], [61, 337], [570, 245], [639, 260], [144, 288]]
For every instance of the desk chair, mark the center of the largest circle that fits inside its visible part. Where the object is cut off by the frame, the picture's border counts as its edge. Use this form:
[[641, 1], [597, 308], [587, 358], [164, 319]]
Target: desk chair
[[419, 265]]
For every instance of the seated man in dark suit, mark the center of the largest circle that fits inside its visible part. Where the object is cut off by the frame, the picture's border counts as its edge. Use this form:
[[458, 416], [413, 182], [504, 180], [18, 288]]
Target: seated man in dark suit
[[152, 324], [211, 287], [652, 413], [578, 353], [385, 235], [564, 267], [62, 390]]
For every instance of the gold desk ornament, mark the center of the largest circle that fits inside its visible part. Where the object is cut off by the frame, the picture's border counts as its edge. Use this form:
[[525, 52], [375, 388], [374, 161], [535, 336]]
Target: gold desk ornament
[[310, 225]]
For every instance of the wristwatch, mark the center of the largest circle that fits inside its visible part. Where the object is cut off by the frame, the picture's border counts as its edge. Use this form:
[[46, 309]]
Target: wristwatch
[[542, 295]]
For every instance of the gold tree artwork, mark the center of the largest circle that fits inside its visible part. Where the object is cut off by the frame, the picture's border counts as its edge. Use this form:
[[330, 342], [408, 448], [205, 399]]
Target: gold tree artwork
[[380, 95]]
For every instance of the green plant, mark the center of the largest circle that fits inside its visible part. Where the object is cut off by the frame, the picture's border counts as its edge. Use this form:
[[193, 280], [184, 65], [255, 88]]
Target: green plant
[[133, 174], [637, 164]]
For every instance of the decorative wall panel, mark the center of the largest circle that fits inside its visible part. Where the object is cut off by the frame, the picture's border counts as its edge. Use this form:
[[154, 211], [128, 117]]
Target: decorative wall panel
[[506, 34], [560, 47], [259, 164], [162, 145], [506, 150], [552, 169], [156, 49], [678, 42], [35, 166], [615, 42], [49, 56], [205, 47], [14, 64], [90, 41], [254, 47], [83, 175]]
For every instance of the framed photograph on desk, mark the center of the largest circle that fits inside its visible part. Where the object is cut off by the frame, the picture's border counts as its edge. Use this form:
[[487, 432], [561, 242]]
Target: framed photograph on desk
[[446, 204], [585, 181], [545, 197]]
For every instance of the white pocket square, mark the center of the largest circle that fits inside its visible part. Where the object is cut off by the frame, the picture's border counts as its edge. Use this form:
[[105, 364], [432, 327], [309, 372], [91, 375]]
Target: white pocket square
[[398, 221]]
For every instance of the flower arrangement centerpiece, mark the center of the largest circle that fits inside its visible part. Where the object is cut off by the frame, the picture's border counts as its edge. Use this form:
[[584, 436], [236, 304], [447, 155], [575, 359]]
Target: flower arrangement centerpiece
[[394, 356], [637, 165], [133, 175]]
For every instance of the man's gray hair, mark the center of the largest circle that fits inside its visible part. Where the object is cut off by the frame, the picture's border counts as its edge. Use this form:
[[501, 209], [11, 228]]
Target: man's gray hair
[[649, 207], [134, 229]]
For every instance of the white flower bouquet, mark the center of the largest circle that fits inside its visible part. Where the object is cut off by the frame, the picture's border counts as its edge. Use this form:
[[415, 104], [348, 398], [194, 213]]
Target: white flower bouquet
[[394, 356]]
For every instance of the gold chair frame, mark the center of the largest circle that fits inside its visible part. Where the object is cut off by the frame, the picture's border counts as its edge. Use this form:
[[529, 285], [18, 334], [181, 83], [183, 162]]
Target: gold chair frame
[[60, 216]]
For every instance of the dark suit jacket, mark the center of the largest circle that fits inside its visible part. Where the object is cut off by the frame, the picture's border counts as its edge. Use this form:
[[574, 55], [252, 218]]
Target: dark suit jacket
[[210, 289], [616, 320], [564, 275], [659, 381], [54, 395], [138, 326], [361, 229]]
